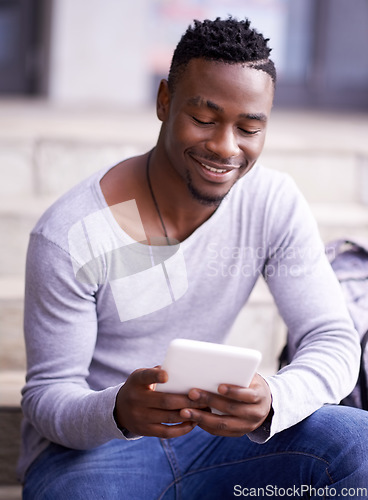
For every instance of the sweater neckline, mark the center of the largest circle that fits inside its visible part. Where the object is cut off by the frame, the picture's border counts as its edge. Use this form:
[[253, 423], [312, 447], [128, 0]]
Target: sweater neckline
[[124, 236]]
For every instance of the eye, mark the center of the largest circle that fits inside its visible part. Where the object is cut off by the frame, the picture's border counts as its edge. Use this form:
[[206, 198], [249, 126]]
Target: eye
[[200, 122], [248, 132]]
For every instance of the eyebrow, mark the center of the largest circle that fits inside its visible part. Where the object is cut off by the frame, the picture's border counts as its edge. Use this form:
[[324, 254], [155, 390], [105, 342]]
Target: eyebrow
[[261, 117], [198, 102]]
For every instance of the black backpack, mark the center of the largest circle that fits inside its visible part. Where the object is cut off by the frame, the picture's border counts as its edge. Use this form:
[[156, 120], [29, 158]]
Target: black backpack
[[349, 260]]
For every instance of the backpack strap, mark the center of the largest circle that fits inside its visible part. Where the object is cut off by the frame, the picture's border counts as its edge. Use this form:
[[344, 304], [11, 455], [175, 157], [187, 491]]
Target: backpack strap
[[337, 247], [363, 374], [349, 259]]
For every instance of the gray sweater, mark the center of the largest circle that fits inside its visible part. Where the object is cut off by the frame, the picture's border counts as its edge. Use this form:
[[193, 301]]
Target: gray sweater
[[98, 305]]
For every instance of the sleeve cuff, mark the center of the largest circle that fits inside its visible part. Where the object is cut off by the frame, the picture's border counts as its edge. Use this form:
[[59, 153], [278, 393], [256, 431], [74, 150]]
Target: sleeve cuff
[[263, 432]]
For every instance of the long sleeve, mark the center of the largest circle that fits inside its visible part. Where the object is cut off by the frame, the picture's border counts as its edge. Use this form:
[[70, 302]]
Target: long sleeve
[[61, 331], [323, 344]]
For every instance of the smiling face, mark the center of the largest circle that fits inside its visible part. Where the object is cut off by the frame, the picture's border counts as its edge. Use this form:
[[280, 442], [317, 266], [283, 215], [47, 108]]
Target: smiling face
[[214, 125]]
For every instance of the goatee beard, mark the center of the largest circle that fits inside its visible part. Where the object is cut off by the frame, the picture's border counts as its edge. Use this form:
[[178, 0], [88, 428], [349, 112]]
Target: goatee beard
[[203, 198]]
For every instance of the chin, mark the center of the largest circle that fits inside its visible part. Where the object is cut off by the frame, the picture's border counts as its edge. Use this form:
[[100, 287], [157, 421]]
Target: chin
[[207, 199]]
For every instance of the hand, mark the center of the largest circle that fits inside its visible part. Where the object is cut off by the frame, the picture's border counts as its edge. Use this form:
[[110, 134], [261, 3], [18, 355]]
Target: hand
[[245, 409], [143, 411]]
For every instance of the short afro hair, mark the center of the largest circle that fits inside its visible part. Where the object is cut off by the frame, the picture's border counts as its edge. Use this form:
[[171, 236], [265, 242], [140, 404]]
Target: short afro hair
[[224, 40]]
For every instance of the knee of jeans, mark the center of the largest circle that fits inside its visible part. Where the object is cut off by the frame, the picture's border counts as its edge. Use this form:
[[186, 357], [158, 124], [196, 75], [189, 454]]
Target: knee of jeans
[[76, 486], [344, 431]]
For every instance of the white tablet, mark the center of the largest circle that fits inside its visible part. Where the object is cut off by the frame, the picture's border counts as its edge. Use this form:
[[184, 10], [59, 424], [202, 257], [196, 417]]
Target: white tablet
[[204, 365]]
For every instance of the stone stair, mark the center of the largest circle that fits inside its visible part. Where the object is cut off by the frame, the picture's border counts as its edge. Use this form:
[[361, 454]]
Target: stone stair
[[45, 150]]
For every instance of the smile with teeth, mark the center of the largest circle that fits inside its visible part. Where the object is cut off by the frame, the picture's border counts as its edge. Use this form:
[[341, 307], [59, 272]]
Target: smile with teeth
[[211, 169]]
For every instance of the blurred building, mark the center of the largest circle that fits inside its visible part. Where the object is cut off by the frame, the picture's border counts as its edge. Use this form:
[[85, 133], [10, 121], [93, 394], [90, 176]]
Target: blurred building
[[113, 52]]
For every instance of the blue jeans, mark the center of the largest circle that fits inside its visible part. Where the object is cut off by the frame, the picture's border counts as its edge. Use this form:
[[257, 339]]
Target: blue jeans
[[325, 456]]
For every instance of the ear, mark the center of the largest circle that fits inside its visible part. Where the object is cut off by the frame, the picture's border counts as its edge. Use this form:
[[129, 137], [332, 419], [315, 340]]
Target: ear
[[163, 101]]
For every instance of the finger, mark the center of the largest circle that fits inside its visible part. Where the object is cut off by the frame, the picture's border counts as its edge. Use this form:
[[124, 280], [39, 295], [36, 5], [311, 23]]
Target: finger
[[249, 406], [168, 401], [219, 425], [165, 417], [222, 403], [170, 431], [243, 394], [258, 384], [148, 376]]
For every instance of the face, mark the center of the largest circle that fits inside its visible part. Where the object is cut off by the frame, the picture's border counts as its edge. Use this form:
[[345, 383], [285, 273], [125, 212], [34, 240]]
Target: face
[[214, 125]]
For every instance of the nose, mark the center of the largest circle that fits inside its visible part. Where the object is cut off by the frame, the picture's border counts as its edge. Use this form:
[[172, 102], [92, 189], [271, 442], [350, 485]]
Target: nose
[[223, 142]]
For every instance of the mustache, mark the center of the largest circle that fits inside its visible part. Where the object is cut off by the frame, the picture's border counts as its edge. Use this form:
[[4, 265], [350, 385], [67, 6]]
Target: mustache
[[222, 162]]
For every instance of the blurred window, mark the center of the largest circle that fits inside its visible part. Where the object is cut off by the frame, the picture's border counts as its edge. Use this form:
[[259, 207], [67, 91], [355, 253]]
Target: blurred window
[[23, 47], [326, 64]]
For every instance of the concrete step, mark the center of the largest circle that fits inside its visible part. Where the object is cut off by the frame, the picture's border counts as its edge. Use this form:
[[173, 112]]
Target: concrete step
[[59, 165], [10, 420], [345, 220], [303, 130], [18, 215], [11, 382], [10, 492], [12, 350], [35, 119], [260, 326], [293, 129], [323, 176], [47, 149], [49, 167]]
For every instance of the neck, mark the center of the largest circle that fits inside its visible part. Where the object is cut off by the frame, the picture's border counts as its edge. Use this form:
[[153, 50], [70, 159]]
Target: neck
[[180, 212]]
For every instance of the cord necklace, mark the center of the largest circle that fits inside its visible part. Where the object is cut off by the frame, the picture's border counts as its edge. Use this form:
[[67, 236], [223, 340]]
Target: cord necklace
[[154, 197]]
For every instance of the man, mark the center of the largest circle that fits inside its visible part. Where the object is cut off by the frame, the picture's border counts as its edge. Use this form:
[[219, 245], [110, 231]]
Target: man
[[136, 256]]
